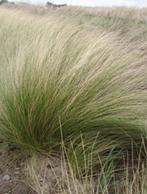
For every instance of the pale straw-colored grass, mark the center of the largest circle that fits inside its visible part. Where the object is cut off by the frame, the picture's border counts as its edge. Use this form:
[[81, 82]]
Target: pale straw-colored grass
[[61, 80]]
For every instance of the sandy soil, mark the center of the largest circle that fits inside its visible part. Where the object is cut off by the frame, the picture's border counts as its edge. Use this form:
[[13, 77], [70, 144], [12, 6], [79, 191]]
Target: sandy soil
[[12, 178]]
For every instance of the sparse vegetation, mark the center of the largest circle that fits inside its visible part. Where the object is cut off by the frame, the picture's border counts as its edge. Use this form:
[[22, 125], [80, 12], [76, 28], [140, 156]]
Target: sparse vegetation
[[52, 5], [77, 85]]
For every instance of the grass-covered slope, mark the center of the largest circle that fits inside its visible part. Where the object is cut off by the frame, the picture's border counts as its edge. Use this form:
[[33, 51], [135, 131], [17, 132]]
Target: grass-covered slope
[[85, 85]]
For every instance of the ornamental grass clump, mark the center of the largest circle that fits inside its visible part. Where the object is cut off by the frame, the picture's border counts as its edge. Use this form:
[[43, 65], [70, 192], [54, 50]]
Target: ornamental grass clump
[[62, 81]]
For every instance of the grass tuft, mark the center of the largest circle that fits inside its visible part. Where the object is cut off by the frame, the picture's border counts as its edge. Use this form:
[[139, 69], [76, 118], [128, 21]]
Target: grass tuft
[[61, 81]]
